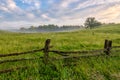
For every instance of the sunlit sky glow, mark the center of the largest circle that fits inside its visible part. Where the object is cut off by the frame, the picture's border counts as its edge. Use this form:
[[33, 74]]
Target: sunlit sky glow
[[23, 13]]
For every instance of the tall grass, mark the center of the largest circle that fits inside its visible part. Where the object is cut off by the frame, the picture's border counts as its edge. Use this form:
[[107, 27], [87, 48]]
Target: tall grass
[[95, 68]]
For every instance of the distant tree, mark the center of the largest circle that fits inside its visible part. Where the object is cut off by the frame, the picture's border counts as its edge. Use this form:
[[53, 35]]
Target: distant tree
[[91, 22], [52, 27], [31, 28], [111, 23], [22, 28]]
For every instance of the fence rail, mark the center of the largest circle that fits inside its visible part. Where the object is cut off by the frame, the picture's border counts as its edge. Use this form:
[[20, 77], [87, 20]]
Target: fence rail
[[12, 69], [65, 54], [75, 52], [20, 53], [16, 60]]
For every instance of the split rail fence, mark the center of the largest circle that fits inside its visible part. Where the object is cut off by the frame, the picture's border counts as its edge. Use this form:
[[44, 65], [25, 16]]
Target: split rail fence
[[65, 54]]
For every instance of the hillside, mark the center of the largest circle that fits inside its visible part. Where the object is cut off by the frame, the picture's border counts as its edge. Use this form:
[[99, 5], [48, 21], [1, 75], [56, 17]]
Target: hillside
[[1, 31], [103, 68], [112, 28]]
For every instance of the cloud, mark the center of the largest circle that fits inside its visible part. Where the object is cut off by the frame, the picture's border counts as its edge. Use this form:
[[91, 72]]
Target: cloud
[[51, 1], [4, 9], [10, 7], [89, 3], [14, 24], [66, 3], [45, 16], [30, 15], [110, 14], [37, 5], [11, 4], [24, 12], [1, 17], [99, 9], [33, 4]]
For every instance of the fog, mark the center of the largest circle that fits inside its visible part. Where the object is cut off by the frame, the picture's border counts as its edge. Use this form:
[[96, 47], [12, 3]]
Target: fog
[[42, 31]]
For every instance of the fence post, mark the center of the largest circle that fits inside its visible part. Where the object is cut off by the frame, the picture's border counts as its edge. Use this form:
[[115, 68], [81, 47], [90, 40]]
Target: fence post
[[46, 51], [109, 47], [105, 46]]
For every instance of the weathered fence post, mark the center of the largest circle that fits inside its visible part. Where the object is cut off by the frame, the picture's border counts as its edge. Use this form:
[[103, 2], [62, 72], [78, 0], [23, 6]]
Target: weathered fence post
[[46, 51], [105, 44], [107, 47]]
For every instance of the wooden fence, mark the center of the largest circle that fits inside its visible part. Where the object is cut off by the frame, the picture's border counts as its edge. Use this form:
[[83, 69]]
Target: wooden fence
[[65, 54]]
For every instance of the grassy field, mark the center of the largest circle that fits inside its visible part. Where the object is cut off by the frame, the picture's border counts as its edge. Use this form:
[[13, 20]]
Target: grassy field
[[95, 68]]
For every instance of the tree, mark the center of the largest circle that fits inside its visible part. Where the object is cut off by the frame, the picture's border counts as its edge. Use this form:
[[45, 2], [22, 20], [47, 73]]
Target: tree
[[22, 28], [31, 28], [91, 22]]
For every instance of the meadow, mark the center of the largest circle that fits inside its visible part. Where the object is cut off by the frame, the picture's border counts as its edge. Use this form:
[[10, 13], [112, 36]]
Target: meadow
[[92, 68]]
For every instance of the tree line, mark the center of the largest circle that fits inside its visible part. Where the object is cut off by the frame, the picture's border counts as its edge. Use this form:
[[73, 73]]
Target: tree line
[[90, 23], [51, 27]]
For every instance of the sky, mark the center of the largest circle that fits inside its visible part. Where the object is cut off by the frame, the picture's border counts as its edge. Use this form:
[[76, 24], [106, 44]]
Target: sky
[[24, 13]]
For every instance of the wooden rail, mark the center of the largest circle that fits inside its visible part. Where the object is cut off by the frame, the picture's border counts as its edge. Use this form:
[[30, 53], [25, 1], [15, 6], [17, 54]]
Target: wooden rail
[[20, 53], [12, 69], [75, 52], [16, 60]]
